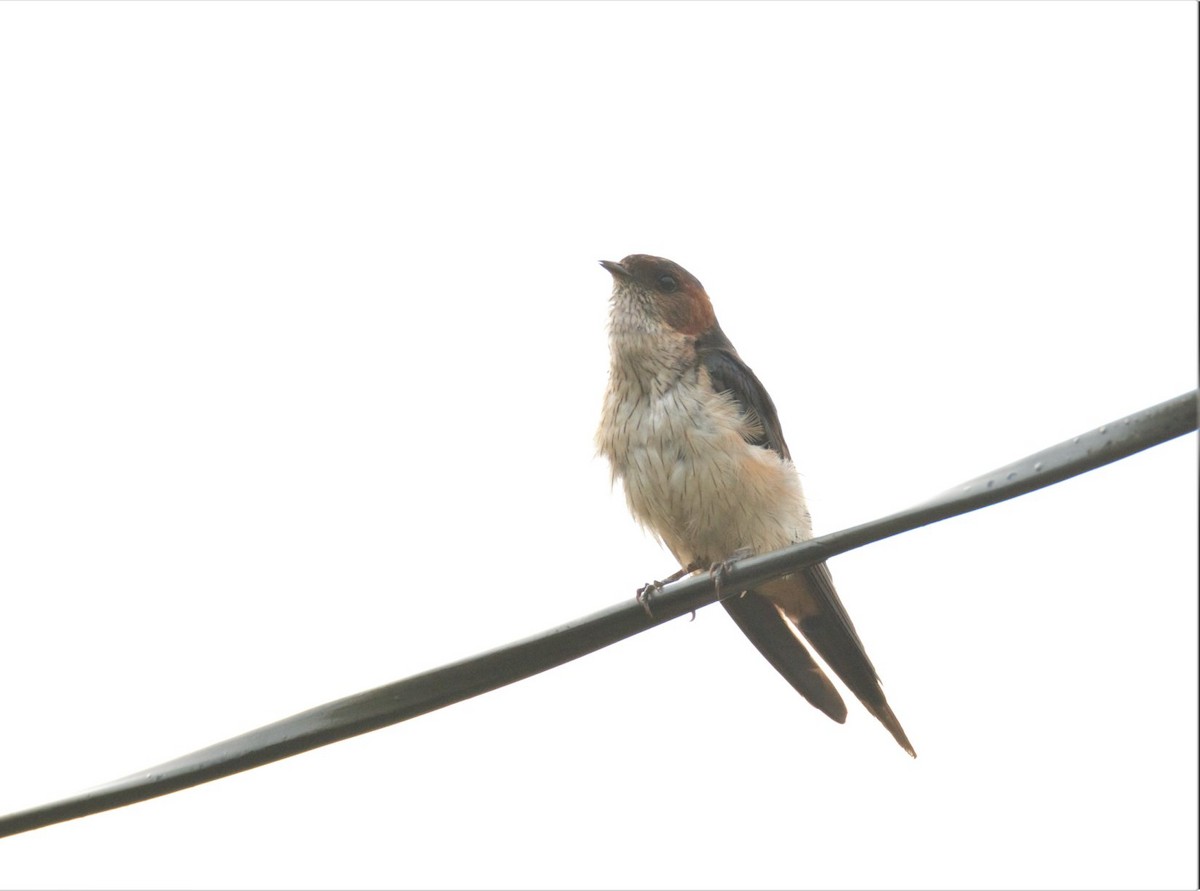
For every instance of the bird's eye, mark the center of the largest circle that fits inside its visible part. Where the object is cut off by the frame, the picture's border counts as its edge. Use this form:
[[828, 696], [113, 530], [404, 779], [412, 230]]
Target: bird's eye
[[667, 283]]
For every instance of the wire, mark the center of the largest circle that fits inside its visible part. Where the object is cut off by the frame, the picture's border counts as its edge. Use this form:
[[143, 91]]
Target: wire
[[425, 692]]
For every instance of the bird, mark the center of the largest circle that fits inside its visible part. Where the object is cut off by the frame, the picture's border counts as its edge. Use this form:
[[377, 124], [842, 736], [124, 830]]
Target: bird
[[695, 440]]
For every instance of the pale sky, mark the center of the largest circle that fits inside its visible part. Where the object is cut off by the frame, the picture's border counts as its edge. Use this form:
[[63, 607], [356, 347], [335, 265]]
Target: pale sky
[[302, 344]]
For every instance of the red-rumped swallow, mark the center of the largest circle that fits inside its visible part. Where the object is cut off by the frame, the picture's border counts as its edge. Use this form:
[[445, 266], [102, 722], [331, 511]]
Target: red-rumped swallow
[[695, 439]]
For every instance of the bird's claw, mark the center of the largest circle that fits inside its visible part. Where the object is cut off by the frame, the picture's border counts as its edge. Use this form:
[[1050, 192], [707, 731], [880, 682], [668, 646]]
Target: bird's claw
[[720, 570], [643, 595], [650, 588]]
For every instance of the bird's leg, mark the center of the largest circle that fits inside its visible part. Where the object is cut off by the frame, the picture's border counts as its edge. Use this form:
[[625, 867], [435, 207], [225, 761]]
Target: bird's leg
[[720, 570], [645, 591]]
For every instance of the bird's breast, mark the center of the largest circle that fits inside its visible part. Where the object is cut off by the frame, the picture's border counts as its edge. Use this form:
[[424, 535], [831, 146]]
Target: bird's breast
[[691, 477]]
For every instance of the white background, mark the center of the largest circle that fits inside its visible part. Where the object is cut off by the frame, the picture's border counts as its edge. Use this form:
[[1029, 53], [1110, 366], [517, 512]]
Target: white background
[[301, 352]]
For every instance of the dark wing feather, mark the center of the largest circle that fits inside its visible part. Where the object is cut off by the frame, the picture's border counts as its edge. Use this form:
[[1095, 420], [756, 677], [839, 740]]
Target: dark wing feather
[[757, 617], [729, 374], [822, 618]]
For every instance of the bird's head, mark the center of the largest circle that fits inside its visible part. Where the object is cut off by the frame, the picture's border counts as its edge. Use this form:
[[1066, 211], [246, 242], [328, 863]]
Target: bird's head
[[658, 294]]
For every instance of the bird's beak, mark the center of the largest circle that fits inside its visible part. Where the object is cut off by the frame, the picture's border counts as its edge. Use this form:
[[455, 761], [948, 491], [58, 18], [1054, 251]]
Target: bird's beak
[[615, 268]]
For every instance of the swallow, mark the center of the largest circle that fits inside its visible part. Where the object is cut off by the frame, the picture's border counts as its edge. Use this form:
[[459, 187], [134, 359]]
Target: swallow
[[695, 440]]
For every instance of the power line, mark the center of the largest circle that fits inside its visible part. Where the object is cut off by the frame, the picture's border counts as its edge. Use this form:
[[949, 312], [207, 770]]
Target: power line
[[431, 690]]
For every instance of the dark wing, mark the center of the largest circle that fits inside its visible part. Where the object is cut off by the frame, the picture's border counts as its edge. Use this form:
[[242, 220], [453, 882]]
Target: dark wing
[[757, 617], [820, 614], [729, 374]]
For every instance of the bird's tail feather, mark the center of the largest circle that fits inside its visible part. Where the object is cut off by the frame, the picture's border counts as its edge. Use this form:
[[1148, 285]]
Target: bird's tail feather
[[761, 621], [810, 601]]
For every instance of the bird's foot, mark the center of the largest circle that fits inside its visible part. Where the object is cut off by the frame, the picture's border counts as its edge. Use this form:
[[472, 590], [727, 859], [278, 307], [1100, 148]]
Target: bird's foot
[[643, 595], [718, 571], [646, 591]]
